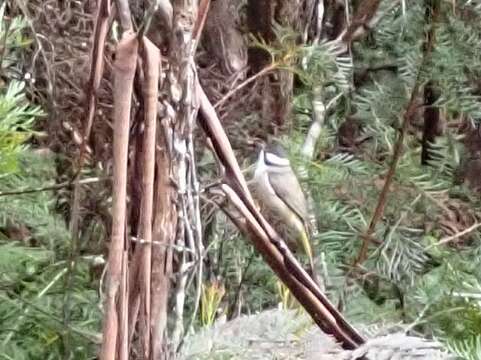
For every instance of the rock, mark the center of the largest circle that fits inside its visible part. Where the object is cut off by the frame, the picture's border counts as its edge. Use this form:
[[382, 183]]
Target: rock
[[285, 334]]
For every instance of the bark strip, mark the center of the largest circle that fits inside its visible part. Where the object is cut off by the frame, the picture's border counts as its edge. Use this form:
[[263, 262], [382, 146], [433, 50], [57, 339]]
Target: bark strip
[[164, 231], [151, 56], [124, 72]]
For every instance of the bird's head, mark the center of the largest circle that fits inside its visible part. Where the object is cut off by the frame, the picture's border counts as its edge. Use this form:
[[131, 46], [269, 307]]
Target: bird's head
[[275, 155]]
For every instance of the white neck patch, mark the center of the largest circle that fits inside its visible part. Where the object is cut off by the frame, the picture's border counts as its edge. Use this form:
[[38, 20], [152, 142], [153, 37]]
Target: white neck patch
[[275, 160]]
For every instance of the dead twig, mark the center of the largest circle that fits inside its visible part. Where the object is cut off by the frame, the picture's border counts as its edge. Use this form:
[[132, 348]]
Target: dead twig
[[204, 6], [319, 115], [54, 187], [448, 239], [41, 51], [246, 82]]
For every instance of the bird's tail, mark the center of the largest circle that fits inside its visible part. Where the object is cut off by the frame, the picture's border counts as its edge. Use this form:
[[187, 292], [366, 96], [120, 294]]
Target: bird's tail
[[307, 248]]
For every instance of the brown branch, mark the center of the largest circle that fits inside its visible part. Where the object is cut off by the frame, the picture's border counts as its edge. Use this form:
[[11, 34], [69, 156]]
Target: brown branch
[[432, 121], [365, 19], [173, 169], [378, 212], [220, 142], [101, 29], [200, 21], [123, 306], [124, 72], [448, 239], [360, 21], [408, 114]]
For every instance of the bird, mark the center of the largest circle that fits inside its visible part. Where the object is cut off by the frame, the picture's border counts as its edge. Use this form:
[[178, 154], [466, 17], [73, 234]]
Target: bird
[[280, 197]]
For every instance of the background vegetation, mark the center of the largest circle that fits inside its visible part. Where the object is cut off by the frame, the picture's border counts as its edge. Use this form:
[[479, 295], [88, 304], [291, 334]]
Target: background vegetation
[[422, 270]]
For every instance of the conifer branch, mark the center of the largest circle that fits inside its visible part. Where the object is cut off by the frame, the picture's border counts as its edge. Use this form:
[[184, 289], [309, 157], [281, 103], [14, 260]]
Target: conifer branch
[[428, 47]]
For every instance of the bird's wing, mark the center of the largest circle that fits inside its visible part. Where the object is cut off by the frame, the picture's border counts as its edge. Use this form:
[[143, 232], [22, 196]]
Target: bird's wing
[[290, 185], [297, 203]]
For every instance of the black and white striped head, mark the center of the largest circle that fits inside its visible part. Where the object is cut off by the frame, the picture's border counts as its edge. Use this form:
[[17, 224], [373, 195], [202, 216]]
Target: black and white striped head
[[275, 155]]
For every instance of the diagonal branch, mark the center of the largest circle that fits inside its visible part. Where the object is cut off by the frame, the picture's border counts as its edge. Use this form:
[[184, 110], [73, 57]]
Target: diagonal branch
[[364, 20], [246, 82], [451, 238]]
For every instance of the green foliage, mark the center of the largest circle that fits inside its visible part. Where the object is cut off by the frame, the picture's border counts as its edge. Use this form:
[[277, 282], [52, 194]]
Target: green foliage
[[321, 66], [18, 261], [284, 51], [16, 114], [247, 279], [14, 41], [33, 273], [408, 278], [16, 125], [418, 282], [34, 210], [469, 349], [34, 239], [210, 300], [31, 310]]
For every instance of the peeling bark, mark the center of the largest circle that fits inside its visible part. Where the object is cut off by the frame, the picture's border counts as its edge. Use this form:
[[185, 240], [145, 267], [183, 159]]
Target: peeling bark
[[175, 214], [151, 55], [165, 223], [124, 72]]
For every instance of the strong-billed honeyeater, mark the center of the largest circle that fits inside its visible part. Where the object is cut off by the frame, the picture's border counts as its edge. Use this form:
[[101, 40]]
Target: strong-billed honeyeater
[[277, 190]]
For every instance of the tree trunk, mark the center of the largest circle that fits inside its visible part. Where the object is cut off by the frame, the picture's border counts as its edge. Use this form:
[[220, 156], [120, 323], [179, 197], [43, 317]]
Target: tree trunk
[[432, 122], [223, 38], [164, 230], [278, 86]]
